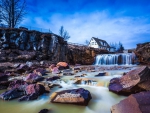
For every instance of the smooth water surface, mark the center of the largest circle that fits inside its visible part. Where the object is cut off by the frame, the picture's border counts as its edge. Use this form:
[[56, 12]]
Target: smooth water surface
[[101, 101]]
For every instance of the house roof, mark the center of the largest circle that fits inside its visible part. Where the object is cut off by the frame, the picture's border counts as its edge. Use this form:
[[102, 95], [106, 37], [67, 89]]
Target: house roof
[[98, 41]]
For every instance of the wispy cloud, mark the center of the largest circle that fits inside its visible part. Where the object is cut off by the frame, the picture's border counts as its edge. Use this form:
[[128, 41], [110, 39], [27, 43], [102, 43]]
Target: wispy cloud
[[83, 20]]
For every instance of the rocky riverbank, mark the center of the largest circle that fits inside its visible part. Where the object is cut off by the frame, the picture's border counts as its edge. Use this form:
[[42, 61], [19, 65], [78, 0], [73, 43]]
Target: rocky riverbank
[[29, 81], [135, 84], [143, 53], [24, 45]]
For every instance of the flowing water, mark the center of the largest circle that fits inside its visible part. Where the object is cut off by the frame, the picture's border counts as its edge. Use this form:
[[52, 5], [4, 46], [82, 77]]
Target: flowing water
[[115, 59], [101, 101]]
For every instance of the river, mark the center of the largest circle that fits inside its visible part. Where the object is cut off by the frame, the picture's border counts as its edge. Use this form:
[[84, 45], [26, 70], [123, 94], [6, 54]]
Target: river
[[101, 101]]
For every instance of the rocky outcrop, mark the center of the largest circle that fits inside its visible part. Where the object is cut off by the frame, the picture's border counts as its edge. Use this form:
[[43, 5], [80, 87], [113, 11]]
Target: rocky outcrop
[[80, 54], [75, 96], [32, 92], [143, 53], [135, 81], [22, 45], [135, 103], [26, 45]]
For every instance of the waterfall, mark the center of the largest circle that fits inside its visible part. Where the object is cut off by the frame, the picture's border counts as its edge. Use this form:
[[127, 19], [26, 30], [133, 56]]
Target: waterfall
[[115, 59]]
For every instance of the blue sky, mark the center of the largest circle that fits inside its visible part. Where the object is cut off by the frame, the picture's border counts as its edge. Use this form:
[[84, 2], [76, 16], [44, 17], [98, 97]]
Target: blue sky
[[127, 21]]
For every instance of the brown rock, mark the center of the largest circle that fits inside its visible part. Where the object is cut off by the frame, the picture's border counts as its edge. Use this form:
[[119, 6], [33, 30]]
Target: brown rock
[[135, 81], [143, 53], [64, 64], [75, 96], [135, 103]]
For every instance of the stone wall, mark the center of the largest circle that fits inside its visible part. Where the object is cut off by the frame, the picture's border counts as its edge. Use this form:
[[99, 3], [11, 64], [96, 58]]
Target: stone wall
[[24, 45], [143, 53]]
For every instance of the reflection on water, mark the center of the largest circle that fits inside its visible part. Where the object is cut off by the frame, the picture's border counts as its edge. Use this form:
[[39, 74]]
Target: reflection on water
[[101, 102]]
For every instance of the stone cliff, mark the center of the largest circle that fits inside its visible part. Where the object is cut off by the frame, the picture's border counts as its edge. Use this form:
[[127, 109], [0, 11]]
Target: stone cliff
[[78, 54], [143, 53], [25, 45]]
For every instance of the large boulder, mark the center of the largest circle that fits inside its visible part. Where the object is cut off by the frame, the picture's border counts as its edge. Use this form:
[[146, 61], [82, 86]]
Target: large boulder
[[135, 103], [11, 94], [135, 81], [29, 97], [74, 96], [143, 53], [33, 91]]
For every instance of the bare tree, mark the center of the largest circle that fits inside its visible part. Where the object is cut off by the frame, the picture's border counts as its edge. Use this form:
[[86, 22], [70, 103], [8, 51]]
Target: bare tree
[[63, 33], [12, 11]]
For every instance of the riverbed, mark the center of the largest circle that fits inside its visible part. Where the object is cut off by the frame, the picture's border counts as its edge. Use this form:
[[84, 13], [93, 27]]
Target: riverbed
[[101, 101]]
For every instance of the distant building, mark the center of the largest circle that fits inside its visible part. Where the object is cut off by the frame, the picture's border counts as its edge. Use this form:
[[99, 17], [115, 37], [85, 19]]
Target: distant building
[[99, 43]]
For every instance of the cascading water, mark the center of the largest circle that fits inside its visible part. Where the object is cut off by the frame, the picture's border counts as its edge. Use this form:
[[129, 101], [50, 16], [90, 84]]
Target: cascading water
[[115, 59]]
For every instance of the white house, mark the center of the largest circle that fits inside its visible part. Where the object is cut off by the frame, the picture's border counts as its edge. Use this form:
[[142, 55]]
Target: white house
[[99, 43]]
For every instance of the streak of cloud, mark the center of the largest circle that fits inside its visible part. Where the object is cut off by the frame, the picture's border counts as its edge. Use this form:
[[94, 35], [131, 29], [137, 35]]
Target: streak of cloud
[[110, 20]]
